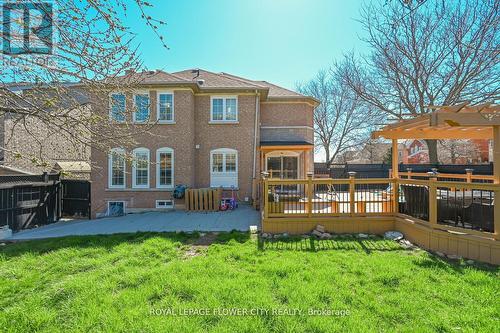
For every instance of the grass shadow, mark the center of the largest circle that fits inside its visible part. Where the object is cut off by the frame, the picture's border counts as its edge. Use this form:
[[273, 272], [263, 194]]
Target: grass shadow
[[433, 261], [340, 243]]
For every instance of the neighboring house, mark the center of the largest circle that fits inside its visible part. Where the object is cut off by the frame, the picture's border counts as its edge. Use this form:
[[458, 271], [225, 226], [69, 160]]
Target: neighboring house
[[449, 151], [209, 130], [417, 152], [32, 147]]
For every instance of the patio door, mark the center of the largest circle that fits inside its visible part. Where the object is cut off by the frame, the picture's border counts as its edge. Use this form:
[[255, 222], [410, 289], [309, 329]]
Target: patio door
[[283, 167]]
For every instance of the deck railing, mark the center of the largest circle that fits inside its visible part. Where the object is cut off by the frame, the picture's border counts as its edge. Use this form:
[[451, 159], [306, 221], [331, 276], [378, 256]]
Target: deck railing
[[464, 205]]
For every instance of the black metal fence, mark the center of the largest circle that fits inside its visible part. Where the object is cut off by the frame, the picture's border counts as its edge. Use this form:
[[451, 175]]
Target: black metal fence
[[28, 201], [382, 170]]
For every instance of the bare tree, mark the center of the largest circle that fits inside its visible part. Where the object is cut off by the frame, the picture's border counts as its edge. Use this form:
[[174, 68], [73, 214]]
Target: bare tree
[[441, 53], [54, 96], [341, 121], [451, 151]]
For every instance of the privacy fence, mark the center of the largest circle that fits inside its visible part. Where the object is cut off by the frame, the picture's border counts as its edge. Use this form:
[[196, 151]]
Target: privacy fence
[[28, 201], [382, 170]]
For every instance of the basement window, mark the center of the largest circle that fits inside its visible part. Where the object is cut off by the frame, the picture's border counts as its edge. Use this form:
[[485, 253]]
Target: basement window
[[165, 204]]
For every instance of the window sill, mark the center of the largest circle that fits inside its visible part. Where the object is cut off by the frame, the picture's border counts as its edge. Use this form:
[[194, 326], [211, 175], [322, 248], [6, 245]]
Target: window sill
[[223, 122], [166, 122]]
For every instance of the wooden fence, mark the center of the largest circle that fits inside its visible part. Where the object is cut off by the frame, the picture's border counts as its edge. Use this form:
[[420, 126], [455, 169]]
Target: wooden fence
[[203, 199]]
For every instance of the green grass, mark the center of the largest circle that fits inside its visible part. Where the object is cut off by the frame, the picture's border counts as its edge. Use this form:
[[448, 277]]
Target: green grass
[[113, 283]]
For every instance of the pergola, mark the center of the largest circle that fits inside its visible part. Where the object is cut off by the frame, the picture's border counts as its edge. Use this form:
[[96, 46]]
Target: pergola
[[461, 121]]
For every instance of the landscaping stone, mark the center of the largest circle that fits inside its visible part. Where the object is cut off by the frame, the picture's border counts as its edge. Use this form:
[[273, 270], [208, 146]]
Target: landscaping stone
[[470, 262], [284, 235], [441, 254], [305, 236], [320, 228], [362, 236], [326, 235], [265, 235], [394, 235], [454, 257], [317, 233]]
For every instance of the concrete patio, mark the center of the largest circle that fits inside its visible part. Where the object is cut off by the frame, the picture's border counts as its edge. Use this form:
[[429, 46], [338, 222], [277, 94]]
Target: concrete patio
[[240, 219]]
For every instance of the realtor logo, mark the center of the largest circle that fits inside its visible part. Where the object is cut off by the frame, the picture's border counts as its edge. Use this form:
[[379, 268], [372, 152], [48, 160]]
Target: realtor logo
[[27, 27]]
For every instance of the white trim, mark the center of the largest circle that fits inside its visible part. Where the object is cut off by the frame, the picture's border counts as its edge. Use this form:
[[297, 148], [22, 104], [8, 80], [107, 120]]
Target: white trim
[[163, 200], [158, 152], [136, 93], [231, 176], [122, 201], [110, 113], [110, 168], [223, 120], [293, 127], [165, 92], [134, 162]]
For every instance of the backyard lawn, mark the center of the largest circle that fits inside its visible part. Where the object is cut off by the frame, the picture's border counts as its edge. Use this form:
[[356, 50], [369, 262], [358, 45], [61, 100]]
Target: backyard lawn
[[175, 283]]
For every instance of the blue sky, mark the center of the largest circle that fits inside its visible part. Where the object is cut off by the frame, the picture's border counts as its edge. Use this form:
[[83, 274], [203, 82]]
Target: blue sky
[[280, 41]]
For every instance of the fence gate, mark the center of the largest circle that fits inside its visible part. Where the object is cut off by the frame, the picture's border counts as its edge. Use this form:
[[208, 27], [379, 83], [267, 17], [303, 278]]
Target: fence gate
[[27, 201], [75, 198]]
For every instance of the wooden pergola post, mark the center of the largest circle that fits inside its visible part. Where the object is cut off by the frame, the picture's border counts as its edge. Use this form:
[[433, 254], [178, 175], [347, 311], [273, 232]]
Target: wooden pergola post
[[496, 178], [395, 162], [395, 175]]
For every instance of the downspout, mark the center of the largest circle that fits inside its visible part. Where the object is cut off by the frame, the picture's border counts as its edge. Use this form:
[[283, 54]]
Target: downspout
[[257, 108]]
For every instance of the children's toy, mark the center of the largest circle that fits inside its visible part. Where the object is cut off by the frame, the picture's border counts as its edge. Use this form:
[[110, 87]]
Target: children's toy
[[229, 203]]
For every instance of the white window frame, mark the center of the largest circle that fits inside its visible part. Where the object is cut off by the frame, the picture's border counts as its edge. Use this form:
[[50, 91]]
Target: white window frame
[[224, 98], [134, 169], [158, 152], [160, 207], [113, 201], [224, 152], [110, 168], [110, 99], [165, 92], [134, 105]]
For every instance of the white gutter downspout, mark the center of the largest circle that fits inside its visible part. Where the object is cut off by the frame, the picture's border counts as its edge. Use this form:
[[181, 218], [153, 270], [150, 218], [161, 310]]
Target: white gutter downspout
[[257, 108]]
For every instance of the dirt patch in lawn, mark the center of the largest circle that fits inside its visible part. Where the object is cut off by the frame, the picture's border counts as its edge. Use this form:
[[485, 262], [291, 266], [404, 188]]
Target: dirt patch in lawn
[[199, 246]]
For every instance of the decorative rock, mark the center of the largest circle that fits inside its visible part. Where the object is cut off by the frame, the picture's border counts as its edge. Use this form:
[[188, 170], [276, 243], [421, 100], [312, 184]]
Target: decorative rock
[[265, 235], [470, 262], [441, 254], [284, 235], [394, 235], [305, 236], [454, 257], [362, 236], [320, 228], [317, 233], [325, 235]]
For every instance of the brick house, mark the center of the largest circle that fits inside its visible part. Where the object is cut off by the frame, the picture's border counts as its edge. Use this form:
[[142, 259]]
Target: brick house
[[210, 130]]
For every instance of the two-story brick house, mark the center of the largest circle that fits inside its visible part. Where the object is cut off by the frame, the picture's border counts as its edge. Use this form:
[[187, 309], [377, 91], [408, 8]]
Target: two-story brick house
[[209, 130]]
